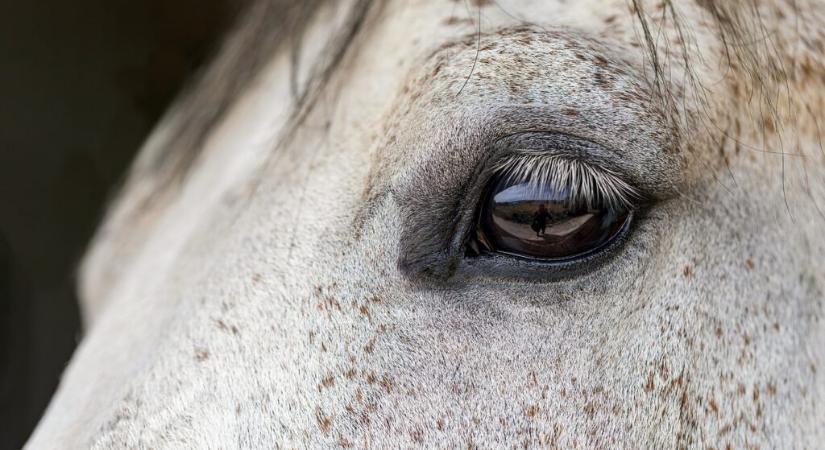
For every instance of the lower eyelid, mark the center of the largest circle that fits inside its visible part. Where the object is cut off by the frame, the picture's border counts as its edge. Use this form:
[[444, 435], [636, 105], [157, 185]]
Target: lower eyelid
[[626, 254]]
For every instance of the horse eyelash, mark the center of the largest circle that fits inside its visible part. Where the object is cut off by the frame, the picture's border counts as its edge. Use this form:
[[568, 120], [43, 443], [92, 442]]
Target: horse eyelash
[[589, 185]]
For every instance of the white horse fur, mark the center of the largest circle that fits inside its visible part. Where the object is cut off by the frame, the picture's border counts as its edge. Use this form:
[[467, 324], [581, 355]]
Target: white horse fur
[[300, 286]]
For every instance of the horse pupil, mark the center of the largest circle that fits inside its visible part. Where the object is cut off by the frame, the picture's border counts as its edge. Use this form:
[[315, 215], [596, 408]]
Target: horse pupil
[[521, 219]]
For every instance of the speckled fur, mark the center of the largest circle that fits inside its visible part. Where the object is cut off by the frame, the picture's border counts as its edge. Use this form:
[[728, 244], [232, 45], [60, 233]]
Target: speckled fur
[[285, 316]]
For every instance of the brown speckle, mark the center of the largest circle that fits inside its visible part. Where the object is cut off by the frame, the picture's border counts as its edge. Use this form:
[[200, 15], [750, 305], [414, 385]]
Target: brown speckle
[[370, 346], [769, 126], [649, 383], [602, 80], [453, 20], [417, 436], [713, 406], [324, 422], [386, 384], [725, 430], [590, 410], [201, 354]]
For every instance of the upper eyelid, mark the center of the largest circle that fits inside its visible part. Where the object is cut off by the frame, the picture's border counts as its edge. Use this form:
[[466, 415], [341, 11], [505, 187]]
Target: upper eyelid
[[559, 160], [646, 173], [588, 183]]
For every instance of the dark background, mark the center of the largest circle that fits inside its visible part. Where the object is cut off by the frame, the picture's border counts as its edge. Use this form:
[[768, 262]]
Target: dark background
[[81, 84]]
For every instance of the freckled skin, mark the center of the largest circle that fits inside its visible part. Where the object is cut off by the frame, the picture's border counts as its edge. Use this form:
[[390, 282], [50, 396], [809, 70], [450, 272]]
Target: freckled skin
[[286, 320]]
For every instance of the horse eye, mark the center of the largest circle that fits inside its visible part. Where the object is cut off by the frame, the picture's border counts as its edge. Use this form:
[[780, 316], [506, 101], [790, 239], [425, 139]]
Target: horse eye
[[539, 221]]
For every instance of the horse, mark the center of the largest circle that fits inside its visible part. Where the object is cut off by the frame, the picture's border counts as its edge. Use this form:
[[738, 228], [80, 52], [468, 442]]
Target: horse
[[326, 240]]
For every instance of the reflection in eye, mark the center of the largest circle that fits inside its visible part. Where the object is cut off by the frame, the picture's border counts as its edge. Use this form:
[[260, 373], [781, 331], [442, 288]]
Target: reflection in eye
[[551, 209]]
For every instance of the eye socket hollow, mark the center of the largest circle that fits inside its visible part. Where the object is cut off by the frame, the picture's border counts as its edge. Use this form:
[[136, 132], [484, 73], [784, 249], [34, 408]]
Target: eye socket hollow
[[544, 221]]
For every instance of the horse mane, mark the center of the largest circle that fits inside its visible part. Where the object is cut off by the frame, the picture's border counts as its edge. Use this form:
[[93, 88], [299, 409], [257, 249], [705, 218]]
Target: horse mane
[[266, 26], [262, 29], [749, 52]]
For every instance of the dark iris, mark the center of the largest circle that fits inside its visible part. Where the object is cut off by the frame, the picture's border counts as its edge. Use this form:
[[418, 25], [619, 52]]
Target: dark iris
[[544, 222]]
